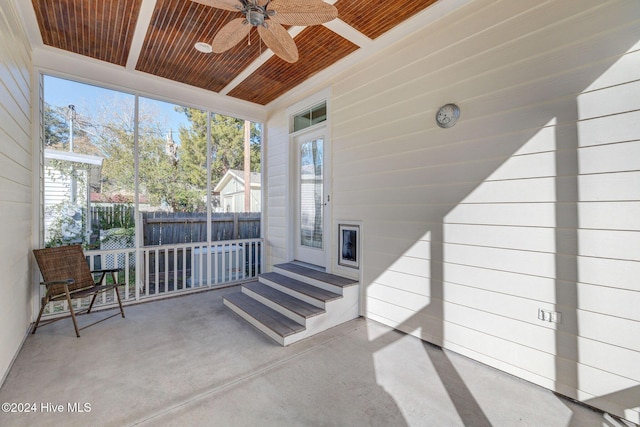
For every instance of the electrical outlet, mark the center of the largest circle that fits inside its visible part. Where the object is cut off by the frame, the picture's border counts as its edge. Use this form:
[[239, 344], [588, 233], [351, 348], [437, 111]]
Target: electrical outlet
[[549, 316]]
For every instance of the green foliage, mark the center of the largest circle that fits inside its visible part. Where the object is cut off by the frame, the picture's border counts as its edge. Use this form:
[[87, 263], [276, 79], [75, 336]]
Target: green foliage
[[68, 218], [67, 225], [68, 171], [124, 236], [163, 179], [56, 130], [227, 146], [193, 148], [118, 216], [166, 179]]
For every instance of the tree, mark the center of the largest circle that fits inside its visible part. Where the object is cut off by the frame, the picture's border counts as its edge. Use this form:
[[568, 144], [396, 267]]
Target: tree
[[56, 131], [192, 154], [227, 146], [176, 181], [161, 184]]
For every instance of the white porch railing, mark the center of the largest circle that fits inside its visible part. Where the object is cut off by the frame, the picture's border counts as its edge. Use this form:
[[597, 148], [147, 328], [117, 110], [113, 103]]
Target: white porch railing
[[165, 271]]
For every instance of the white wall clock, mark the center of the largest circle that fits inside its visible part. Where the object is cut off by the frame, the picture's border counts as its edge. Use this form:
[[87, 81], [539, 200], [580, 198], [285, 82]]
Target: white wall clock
[[447, 115]]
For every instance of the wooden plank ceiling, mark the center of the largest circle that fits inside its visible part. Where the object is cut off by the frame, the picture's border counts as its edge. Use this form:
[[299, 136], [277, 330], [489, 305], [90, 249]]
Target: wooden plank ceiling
[[104, 29]]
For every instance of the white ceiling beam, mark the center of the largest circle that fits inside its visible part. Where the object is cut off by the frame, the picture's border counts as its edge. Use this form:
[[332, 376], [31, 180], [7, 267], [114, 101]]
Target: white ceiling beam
[[142, 25], [346, 31], [337, 26], [268, 53]]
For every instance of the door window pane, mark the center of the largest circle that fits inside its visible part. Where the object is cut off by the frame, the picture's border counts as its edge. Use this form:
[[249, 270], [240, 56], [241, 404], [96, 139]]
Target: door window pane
[[311, 193]]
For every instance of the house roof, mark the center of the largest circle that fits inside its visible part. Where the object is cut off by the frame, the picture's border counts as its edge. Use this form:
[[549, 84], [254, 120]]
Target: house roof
[[157, 38], [91, 163], [256, 179]]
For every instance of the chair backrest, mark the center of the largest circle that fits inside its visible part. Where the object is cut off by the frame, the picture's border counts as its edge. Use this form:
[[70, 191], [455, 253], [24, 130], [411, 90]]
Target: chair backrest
[[62, 263]]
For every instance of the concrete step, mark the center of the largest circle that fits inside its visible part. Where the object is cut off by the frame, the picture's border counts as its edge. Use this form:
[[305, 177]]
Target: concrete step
[[291, 307], [314, 277], [310, 294], [276, 325]]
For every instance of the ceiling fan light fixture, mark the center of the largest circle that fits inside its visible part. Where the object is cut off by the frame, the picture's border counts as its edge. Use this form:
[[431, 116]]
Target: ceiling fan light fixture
[[203, 47]]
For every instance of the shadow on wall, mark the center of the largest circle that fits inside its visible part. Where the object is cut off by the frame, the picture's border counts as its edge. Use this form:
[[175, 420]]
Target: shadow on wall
[[503, 209]]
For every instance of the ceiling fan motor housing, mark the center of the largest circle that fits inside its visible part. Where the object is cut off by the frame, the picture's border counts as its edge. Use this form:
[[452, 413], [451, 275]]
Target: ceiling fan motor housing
[[255, 17], [255, 14]]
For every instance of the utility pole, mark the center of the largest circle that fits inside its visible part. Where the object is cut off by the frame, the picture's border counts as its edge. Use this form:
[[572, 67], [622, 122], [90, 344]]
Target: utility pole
[[71, 116]]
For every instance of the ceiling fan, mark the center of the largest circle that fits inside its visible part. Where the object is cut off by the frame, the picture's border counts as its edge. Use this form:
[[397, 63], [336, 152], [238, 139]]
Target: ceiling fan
[[269, 16]]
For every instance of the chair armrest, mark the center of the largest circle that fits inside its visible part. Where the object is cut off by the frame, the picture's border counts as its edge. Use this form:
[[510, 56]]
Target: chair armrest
[[107, 270], [58, 282], [104, 272]]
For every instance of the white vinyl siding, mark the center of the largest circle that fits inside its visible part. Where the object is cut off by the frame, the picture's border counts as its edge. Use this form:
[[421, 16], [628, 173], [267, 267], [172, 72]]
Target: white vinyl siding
[[531, 201], [15, 184], [57, 192], [232, 197], [276, 191]]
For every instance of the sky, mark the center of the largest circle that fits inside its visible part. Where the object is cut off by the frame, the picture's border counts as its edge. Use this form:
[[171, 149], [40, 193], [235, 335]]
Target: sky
[[62, 93]]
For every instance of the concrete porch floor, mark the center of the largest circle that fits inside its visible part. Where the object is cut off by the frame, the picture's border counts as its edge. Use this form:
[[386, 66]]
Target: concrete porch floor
[[191, 361]]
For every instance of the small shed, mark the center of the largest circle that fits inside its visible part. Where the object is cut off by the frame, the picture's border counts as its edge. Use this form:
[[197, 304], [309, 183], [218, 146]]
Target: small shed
[[232, 189]]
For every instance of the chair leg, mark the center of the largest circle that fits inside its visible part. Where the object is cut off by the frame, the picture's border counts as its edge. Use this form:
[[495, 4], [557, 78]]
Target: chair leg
[[119, 301], [100, 282], [73, 315], [92, 301], [113, 277], [38, 319]]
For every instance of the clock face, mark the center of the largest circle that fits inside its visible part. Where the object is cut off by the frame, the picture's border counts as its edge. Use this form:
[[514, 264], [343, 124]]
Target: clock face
[[447, 115]]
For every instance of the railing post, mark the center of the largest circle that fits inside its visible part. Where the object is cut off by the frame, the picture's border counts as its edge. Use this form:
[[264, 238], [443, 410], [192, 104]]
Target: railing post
[[141, 255]]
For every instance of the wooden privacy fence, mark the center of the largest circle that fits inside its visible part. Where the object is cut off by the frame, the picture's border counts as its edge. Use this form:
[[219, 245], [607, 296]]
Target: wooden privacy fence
[[170, 228]]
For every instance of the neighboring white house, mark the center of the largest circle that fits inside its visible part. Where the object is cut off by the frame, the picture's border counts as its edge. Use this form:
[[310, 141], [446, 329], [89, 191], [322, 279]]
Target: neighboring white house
[[231, 190], [64, 195]]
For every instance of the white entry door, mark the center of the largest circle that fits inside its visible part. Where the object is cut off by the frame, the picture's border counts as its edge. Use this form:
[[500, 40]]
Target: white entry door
[[312, 198]]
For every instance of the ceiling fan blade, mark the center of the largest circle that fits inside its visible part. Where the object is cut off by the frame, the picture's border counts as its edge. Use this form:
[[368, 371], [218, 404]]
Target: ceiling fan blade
[[233, 5], [229, 35], [297, 12], [279, 41]]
